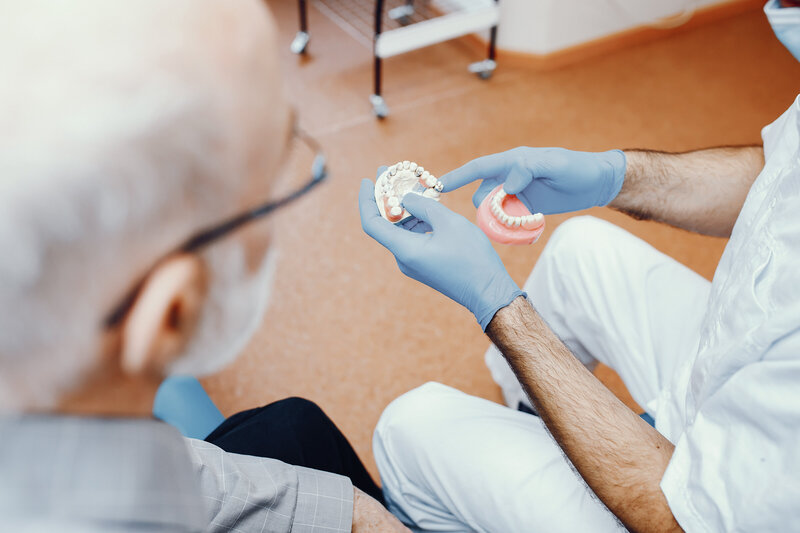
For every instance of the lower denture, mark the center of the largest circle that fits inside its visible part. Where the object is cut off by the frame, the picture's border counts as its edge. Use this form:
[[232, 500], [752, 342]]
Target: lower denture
[[505, 220]]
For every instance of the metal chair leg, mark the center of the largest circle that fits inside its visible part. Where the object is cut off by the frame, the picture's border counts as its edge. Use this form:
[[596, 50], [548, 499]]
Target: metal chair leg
[[379, 106], [484, 69], [302, 37]]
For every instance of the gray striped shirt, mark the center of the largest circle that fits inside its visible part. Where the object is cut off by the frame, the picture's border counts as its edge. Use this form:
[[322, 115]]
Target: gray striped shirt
[[93, 474]]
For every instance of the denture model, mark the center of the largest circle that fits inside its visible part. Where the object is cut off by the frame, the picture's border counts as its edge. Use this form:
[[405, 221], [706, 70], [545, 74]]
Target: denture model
[[399, 180], [505, 219]]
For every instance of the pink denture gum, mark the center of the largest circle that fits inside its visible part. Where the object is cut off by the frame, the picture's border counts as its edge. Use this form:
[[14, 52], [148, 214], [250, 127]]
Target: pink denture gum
[[505, 219]]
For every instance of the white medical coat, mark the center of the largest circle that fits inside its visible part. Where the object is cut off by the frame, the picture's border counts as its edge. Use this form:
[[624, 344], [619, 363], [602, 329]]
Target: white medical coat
[[733, 410]]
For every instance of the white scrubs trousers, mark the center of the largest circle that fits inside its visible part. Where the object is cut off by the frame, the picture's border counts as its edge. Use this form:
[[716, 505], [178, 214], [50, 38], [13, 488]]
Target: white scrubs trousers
[[453, 462]]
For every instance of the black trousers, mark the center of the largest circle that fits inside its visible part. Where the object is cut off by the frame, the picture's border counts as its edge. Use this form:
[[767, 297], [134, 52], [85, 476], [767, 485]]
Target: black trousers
[[297, 432]]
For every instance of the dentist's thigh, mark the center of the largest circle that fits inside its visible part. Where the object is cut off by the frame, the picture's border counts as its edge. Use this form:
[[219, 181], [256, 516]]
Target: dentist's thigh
[[453, 462]]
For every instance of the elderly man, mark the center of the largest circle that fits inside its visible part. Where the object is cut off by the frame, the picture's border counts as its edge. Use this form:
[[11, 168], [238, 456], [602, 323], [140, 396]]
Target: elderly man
[[716, 364], [134, 136]]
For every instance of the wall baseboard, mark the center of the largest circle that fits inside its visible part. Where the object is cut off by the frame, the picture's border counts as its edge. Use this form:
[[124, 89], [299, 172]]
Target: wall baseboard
[[616, 41]]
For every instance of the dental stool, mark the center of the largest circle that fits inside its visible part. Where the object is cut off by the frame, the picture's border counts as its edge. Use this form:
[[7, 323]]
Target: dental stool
[[182, 402]]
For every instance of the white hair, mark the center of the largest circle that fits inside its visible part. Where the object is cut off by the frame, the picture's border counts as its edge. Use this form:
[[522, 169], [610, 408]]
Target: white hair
[[116, 143]]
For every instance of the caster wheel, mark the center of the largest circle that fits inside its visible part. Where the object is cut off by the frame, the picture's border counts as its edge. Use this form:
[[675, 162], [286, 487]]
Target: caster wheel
[[300, 42], [379, 106], [402, 14], [483, 69]]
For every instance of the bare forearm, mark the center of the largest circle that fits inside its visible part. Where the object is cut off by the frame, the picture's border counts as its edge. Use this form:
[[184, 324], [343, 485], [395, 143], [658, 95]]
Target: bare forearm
[[701, 191], [619, 455], [369, 516]]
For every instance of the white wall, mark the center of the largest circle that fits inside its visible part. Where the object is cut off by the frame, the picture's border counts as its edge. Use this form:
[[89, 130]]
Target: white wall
[[546, 26]]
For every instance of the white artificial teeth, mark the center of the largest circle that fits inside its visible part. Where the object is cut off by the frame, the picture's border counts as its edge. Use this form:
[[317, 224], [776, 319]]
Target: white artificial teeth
[[399, 179], [439, 186], [529, 222], [532, 221]]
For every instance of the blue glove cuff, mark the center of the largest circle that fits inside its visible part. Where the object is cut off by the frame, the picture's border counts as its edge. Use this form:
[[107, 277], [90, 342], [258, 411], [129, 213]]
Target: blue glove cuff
[[487, 315], [617, 166]]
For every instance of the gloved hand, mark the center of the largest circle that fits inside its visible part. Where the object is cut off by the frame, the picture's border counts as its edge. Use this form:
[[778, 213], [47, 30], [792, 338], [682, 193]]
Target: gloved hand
[[455, 258], [412, 224], [546, 180]]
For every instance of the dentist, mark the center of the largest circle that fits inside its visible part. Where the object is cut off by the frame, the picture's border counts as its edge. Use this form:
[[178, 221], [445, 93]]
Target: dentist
[[717, 365]]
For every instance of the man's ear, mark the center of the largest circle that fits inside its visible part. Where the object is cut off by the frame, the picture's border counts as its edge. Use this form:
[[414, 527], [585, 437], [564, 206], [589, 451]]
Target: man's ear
[[163, 317]]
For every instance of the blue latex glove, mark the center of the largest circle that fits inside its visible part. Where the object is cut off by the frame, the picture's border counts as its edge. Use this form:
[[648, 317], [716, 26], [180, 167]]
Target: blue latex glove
[[455, 258], [181, 401], [547, 180]]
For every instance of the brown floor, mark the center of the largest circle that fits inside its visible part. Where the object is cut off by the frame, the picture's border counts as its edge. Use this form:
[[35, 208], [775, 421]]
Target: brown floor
[[346, 329]]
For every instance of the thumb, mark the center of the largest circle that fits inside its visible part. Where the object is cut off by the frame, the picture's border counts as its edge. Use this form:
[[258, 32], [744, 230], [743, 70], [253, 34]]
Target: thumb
[[518, 178], [425, 209], [381, 170], [485, 188]]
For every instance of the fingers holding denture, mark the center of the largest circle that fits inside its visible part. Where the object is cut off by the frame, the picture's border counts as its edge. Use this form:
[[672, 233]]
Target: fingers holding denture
[[398, 180]]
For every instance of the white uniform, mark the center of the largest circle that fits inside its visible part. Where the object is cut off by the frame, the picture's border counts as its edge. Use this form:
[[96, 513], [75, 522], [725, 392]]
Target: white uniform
[[717, 365]]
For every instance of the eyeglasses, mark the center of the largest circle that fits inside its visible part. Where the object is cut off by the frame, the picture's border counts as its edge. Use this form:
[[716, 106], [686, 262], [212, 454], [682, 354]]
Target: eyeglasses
[[203, 238]]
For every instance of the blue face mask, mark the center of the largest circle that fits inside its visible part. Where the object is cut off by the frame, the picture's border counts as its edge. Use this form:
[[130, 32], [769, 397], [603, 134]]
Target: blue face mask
[[785, 22]]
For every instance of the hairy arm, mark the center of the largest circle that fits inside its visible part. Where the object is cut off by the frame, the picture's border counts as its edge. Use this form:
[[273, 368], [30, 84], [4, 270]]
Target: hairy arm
[[619, 455], [370, 516], [701, 191]]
